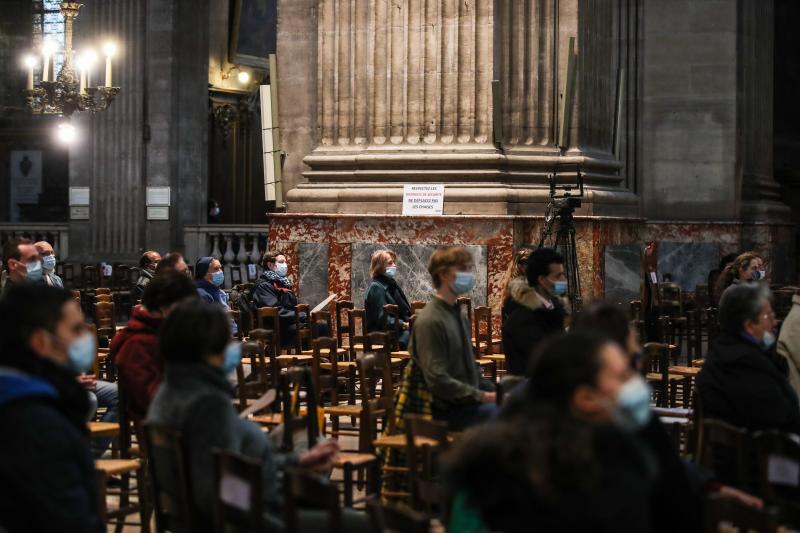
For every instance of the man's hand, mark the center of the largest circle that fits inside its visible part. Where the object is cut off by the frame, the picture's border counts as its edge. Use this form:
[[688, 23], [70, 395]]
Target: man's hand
[[321, 456], [89, 381], [489, 397], [742, 497]]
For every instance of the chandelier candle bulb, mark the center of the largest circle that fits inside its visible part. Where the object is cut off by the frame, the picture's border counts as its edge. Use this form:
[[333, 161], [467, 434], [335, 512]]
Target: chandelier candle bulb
[[109, 50], [30, 63]]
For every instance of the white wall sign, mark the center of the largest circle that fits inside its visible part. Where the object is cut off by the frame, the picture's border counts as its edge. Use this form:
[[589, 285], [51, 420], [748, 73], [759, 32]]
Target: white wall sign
[[158, 213], [79, 212], [158, 196], [26, 179], [423, 199], [79, 196]]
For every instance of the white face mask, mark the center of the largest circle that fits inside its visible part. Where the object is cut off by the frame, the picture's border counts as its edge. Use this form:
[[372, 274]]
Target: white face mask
[[281, 269]]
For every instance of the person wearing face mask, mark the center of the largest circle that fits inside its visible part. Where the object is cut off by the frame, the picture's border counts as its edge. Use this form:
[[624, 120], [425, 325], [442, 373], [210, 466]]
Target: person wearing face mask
[[746, 268], [45, 460], [534, 309], [382, 291], [275, 289], [744, 382], [196, 399], [571, 446], [48, 257], [209, 278], [441, 345], [22, 263]]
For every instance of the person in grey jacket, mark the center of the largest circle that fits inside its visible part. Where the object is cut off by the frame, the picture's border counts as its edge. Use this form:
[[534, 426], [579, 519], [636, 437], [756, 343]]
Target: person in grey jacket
[[195, 399], [442, 345], [48, 257]]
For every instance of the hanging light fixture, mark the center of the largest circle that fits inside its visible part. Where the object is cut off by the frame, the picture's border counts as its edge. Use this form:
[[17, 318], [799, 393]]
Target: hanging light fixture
[[68, 93]]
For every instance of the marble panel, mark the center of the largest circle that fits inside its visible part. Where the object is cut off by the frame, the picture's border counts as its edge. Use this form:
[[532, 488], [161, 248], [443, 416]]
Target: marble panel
[[412, 271], [313, 286], [688, 263], [622, 273]]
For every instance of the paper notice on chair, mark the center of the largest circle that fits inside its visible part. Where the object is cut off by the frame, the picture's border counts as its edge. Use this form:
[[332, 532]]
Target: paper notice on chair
[[235, 492], [783, 471], [324, 303], [423, 199]]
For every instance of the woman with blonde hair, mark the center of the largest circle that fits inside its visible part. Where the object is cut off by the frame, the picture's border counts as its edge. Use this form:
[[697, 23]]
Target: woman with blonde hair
[[744, 269], [514, 280], [385, 290]]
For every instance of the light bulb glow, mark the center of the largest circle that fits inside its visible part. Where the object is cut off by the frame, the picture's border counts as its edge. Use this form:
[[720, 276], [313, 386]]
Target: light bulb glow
[[87, 59], [244, 77], [48, 48], [66, 133], [109, 48], [29, 61]]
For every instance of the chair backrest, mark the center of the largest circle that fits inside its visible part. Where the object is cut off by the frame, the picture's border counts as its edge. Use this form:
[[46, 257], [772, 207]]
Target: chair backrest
[[293, 382], [712, 324], [482, 327], [304, 489], [102, 290], [694, 334], [236, 275], [390, 518], [701, 297], [635, 310], [268, 318], [324, 350], [342, 330], [323, 316], [356, 320], [104, 314], [778, 466], [391, 310], [466, 303], [374, 367], [238, 493], [301, 333], [723, 513], [722, 443], [268, 341], [100, 297], [671, 299], [420, 458], [417, 305], [89, 277], [170, 476]]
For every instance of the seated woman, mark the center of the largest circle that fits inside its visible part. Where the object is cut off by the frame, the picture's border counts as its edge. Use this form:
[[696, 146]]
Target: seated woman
[[274, 289], [195, 399], [209, 277], [571, 449], [744, 269], [382, 291]]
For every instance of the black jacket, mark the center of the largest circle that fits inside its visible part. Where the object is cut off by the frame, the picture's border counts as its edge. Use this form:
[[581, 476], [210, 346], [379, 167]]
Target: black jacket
[[268, 293], [744, 385], [528, 324], [47, 478], [382, 291]]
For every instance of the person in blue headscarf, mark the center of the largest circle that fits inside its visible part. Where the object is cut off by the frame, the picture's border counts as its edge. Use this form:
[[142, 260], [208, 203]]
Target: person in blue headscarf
[[209, 278]]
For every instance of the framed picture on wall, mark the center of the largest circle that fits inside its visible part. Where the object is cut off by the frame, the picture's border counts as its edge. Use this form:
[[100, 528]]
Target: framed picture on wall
[[254, 32]]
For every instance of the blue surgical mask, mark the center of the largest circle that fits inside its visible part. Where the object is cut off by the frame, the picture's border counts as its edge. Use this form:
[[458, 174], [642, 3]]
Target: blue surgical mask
[[218, 278], [233, 355], [282, 269], [34, 271], [82, 352], [560, 288], [632, 411], [391, 272], [768, 340], [463, 283], [49, 263]]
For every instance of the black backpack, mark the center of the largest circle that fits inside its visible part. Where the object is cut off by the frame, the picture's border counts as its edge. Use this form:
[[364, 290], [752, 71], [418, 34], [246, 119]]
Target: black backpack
[[241, 299]]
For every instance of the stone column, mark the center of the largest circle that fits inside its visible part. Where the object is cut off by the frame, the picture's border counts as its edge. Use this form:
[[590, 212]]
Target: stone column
[[404, 94]]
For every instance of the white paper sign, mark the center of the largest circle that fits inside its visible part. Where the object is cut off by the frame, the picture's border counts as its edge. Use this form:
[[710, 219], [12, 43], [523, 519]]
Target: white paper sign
[[235, 492], [79, 212], [79, 196], [251, 270], [157, 213], [158, 196], [653, 278], [783, 471], [423, 199]]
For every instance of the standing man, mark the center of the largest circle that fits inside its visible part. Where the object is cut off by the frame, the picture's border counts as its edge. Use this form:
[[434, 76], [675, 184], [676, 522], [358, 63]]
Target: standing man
[[22, 263], [442, 345], [48, 256], [147, 269], [535, 310]]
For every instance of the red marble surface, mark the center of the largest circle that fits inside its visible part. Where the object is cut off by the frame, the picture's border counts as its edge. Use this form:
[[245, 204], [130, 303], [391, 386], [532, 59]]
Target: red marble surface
[[339, 265]]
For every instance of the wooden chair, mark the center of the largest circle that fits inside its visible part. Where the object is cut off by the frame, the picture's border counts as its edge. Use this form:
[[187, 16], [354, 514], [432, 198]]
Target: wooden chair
[[712, 326], [484, 343], [778, 468], [393, 519], [292, 382], [656, 360], [332, 375], [99, 297], [105, 470], [694, 337], [342, 329], [236, 275], [702, 297], [727, 514], [672, 307], [318, 318], [394, 330], [263, 371], [89, 277], [356, 325], [417, 306], [170, 477], [267, 362], [66, 271], [719, 441], [302, 335], [102, 290], [374, 368], [424, 439], [304, 489], [235, 508]]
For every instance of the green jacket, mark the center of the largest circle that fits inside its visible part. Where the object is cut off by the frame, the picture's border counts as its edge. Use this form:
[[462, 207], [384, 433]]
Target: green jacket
[[442, 345], [376, 297]]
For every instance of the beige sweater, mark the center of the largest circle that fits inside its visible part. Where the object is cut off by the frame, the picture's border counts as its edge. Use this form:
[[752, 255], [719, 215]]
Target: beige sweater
[[789, 343]]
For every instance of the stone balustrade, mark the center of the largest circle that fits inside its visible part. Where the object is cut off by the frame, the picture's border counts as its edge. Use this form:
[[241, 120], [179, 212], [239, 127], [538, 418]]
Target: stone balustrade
[[54, 233], [238, 248]]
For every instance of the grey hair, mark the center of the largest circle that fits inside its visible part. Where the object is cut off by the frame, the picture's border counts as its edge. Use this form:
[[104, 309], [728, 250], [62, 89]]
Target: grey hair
[[740, 303]]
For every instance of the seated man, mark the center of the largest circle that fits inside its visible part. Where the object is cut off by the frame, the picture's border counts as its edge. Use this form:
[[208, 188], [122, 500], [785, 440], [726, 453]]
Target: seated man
[[442, 345], [48, 257], [22, 263], [274, 289], [134, 349], [195, 399], [147, 269], [209, 278], [47, 471], [533, 307], [173, 261]]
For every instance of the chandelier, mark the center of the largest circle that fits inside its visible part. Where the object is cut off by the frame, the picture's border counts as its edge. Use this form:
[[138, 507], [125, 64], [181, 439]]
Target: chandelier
[[66, 94]]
